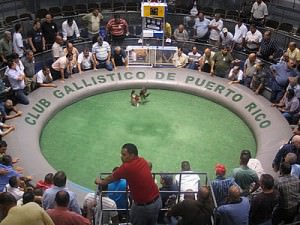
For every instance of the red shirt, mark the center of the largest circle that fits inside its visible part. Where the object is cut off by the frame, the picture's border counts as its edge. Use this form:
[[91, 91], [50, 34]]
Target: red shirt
[[62, 216], [139, 178], [117, 29]]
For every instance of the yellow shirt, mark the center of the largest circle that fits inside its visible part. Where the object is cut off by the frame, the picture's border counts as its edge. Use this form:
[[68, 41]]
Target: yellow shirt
[[295, 55], [168, 30], [28, 214]]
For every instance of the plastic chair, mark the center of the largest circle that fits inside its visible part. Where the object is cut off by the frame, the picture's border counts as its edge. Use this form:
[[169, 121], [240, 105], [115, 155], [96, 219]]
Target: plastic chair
[[41, 13], [232, 14], [55, 11], [272, 24], [25, 16], [286, 27], [10, 19], [81, 8]]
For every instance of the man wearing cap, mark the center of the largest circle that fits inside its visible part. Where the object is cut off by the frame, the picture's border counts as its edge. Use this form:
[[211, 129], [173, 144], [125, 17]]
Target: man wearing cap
[[226, 37], [144, 192], [221, 184]]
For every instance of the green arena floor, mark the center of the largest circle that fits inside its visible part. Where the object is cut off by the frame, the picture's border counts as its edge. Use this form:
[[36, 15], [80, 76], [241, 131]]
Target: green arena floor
[[86, 137]]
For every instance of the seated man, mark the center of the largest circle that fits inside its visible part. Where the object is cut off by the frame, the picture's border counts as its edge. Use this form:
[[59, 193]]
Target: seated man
[[61, 213], [187, 181], [16, 79], [61, 68], [6, 108], [180, 59], [117, 28], [236, 210], [102, 54], [181, 34], [85, 61], [193, 57], [70, 29], [91, 201], [44, 78], [119, 57], [194, 212], [235, 75], [289, 106], [70, 49]]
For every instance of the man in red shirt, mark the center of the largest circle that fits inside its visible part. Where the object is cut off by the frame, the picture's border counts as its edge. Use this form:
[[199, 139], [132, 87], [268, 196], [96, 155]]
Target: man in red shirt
[[143, 190], [61, 215], [117, 28]]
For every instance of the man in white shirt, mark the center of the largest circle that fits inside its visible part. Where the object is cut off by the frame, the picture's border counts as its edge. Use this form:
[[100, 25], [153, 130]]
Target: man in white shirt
[[85, 61], [193, 57], [253, 39], [44, 78], [61, 68], [180, 59], [239, 36], [70, 29], [187, 181], [102, 54], [226, 37], [235, 75], [259, 12], [201, 27], [57, 50], [215, 27], [18, 40]]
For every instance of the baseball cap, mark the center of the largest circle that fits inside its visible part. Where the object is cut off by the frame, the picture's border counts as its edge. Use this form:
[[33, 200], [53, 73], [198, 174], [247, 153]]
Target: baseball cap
[[225, 30], [220, 169]]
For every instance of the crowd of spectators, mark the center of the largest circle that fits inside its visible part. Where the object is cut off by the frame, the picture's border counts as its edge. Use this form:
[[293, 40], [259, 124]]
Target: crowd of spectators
[[247, 196]]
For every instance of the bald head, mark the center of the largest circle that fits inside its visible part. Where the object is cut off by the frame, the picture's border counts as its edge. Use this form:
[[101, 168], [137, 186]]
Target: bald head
[[58, 39], [290, 158], [252, 57], [292, 45], [234, 193], [207, 52], [296, 141], [203, 194]]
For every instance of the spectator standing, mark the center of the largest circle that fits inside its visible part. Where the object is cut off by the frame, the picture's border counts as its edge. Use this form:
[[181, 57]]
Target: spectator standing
[[181, 34], [250, 69], [263, 204], [85, 61], [59, 181], [215, 27], [280, 79], [201, 30], [226, 37], [268, 47], [119, 57], [6, 46], [61, 215], [29, 71], [93, 20], [288, 187], [253, 39], [70, 30], [220, 185], [180, 59], [259, 12], [44, 78], [244, 176], [35, 38], [240, 31], [57, 50], [117, 28], [144, 192], [49, 30], [236, 210], [293, 52], [16, 79], [18, 40], [187, 181], [102, 54], [221, 62], [259, 79]]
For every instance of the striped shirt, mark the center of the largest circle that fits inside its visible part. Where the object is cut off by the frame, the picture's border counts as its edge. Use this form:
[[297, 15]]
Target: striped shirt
[[220, 187], [268, 48], [289, 189], [101, 52], [117, 29]]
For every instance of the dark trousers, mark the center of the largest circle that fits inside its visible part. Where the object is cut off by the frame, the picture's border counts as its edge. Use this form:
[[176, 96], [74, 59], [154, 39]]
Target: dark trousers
[[286, 215], [21, 97], [277, 91]]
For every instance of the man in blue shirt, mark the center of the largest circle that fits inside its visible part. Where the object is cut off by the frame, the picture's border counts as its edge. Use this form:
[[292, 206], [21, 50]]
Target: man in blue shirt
[[8, 171], [281, 73]]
